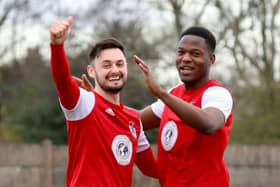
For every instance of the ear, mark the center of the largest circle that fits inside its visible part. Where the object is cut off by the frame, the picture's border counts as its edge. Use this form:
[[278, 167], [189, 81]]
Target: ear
[[90, 71], [212, 58]]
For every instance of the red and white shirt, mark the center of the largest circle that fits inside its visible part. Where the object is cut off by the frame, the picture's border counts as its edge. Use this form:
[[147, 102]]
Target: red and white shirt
[[103, 138], [187, 157]]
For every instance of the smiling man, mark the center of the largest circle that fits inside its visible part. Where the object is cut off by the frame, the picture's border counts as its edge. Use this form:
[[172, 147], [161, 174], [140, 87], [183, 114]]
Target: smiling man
[[194, 118], [105, 138]]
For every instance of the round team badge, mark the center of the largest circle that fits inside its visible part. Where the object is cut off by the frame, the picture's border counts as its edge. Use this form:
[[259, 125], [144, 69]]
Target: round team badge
[[122, 149], [169, 135]]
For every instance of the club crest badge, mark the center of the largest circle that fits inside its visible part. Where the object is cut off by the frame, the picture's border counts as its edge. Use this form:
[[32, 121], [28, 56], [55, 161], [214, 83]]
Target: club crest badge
[[132, 129], [169, 135], [122, 149]]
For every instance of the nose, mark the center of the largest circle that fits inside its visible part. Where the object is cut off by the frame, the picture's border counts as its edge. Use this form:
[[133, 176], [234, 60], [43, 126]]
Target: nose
[[186, 57], [115, 68]]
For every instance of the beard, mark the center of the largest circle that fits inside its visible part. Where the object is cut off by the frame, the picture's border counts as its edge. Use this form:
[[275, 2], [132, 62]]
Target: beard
[[110, 89]]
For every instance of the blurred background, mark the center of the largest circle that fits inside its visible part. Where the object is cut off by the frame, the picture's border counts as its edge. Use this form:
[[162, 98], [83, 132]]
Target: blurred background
[[32, 126]]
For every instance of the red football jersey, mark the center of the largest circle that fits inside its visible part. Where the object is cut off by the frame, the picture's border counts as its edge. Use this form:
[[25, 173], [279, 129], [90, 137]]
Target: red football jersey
[[103, 138], [187, 157], [102, 144]]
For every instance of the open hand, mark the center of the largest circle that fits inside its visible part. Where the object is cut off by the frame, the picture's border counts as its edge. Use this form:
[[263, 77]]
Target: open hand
[[150, 82]]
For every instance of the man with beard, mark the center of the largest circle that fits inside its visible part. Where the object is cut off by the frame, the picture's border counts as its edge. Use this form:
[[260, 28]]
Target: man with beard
[[105, 137]]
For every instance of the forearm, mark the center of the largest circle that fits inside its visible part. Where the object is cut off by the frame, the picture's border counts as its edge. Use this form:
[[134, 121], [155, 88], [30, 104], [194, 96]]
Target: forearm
[[66, 86], [149, 119], [147, 163], [202, 120]]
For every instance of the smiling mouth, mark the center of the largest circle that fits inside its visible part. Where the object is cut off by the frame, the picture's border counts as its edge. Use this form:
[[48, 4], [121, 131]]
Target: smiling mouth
[[114, 78], [186, 69]]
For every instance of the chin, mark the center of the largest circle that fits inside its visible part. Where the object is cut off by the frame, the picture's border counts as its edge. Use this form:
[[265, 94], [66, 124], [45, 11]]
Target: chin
[[114, 89], [186, 80]]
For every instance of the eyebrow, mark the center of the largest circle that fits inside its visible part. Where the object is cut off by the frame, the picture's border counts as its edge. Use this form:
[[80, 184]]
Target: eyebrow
[[119, 60], [192, 49]]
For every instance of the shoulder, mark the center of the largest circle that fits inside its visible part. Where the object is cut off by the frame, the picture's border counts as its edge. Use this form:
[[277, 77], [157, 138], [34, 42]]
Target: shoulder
[[213, 87], [219, 97], [129, 109], [176, 89], [84, 106], [217, 92], [132, 111]]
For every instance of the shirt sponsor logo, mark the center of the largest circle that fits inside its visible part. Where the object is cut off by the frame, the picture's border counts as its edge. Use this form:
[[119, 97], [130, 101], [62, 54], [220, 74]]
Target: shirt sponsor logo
[[110, 111], [122, 149], [169, 135]]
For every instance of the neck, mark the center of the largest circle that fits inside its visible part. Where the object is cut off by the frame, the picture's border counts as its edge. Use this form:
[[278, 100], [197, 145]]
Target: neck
[[195, 85], [111, 97]]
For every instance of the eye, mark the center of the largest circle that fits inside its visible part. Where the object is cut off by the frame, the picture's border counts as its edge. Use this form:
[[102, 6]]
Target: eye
[[106, 65], [120, 63], [196, 53], [180, 52]]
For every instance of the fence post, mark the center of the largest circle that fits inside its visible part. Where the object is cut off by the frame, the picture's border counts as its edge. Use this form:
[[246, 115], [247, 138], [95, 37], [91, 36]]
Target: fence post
[[47, 178]]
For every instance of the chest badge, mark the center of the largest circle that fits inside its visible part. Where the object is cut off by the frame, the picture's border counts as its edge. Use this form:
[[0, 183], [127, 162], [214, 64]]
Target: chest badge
[[169, 135], [122, 149]]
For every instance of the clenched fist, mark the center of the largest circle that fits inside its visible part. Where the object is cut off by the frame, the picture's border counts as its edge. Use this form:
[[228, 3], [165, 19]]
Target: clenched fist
[[60, 30]]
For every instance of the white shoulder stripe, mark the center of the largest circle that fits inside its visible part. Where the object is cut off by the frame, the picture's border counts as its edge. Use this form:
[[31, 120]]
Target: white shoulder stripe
[[83, 107], [157, 108], [218, 97]]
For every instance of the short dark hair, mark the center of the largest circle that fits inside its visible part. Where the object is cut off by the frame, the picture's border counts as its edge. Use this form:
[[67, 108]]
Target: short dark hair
[[108, 43], [201, 32]]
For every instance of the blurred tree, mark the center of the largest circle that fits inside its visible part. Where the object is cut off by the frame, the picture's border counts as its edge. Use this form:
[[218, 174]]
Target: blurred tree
[[250, 35], [16, 18], [30, 109], [7, 8]]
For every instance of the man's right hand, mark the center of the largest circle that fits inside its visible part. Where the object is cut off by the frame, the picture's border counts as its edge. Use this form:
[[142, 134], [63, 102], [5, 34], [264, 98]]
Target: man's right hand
[[60, 30]]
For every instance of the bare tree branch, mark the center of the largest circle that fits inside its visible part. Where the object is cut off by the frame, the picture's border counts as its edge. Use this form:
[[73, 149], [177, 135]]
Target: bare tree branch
[[273, 29], [177, 6], [201, 12], [7, 11]]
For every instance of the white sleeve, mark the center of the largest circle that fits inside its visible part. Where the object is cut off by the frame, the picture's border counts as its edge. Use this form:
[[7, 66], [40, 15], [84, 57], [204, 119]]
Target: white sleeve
[[143, 143], [217, 97], [83, 107], [157, 108]]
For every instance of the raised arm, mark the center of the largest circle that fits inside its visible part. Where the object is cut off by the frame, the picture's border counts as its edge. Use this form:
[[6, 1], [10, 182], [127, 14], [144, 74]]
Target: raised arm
[[66, 86]]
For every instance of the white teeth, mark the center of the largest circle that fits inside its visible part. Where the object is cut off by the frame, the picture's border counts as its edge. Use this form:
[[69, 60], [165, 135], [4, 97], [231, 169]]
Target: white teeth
[[114, 78], [187, 68]]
